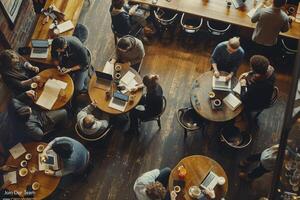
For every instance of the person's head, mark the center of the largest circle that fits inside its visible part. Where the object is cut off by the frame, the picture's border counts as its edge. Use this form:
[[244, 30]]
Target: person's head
[[88, 121], [156, 191], [59, 44], [63, 149], [118, 4], [259, 64], [8, 59], [279, 3], [233, 44], [24, 112], [150, 81], [124, 44]]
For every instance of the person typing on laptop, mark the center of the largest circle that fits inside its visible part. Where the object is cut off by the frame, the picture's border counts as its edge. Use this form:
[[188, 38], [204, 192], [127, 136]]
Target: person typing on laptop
[[227, 56], [72, 57]]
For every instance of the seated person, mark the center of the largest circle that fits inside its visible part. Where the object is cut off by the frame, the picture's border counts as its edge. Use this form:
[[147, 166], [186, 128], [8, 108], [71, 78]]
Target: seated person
[[125, 19], [227, 56], [16, 72], [71, 56], [152, 185], [152, 102], [129, 49], [74, 155], [34, 122], [257, 85], [87, 122]]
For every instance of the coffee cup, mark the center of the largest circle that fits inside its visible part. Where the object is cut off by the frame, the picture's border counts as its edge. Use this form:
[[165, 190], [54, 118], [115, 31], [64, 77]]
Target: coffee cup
[[291, 10], [40, 148], [221, 180], [35, 186], [195, 192], [211, 95], [33, 85], [177, 189], [217, 102], [118, 68], [131, 99], [117, 76], [28, 156], [23, 163]]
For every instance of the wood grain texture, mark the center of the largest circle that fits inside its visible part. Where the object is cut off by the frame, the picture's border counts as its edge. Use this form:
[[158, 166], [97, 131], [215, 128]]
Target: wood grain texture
[[53, 73], [47, 183], [198, 167], [218, 10]]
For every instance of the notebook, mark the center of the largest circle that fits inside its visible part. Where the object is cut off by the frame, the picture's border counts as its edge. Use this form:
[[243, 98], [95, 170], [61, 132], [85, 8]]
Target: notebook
[[232, 101], [65, 26]]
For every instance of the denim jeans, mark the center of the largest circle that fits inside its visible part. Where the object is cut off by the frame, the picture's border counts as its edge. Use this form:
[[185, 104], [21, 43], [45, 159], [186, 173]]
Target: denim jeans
[[163, 176], [79, 78]]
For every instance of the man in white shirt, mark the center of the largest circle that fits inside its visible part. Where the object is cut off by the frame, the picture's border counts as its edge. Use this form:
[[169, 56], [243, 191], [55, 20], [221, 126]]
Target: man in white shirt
[[152, 185]]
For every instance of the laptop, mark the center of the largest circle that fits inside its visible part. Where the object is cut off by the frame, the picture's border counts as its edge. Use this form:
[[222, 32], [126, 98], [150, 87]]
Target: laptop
[[119, 101], [39, 49], [221, 84], [210, 181], [238, 3], [104, 80]]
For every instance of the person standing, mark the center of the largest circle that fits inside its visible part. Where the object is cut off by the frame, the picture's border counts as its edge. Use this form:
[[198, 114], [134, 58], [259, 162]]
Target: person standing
[[227, 56]]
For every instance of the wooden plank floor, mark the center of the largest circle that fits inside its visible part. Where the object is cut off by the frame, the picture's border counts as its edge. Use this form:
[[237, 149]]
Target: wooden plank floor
[[121, 158]]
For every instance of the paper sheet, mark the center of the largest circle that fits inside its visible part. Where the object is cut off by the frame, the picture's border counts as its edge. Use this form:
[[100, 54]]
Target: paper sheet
[[232, 101], [237, 88], [253, 10], [50, 93], [10, 176], [17, 150], [127, 78], [65, 26], [109, 68]]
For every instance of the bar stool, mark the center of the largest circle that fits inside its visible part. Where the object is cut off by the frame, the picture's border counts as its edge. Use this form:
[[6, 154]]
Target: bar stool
[[217, 28], [190, 25], [289, 50], [165, 20]]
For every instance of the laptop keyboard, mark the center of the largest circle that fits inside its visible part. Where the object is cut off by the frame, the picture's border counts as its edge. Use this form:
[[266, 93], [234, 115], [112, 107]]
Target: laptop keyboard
[[39, 50], [208, 179], [119, 102]]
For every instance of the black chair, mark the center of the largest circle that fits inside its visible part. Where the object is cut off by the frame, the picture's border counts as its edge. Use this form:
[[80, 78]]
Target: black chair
[[166, 20], [189, 120], [289, 49], [81, 32], [233, 138], [190, 26], [136, 31], [157, 117], [272, 102], [217, 28], [93, 137]]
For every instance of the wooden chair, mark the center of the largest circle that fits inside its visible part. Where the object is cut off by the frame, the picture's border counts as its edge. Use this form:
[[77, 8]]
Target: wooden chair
[[94, 137], [157, 117], [189, 120], [272, 102]]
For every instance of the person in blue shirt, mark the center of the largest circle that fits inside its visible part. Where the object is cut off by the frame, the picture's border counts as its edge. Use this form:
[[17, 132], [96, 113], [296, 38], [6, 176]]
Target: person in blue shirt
[[74, 155], [227, 56]]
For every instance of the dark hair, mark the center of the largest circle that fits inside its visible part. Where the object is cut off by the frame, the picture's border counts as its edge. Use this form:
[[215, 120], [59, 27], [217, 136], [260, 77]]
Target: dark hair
[[118, 4], [124, 43], [150, 81], [279, 3], [259, 64], [63, 150], [156, 191], [58, 43], [24, 113]]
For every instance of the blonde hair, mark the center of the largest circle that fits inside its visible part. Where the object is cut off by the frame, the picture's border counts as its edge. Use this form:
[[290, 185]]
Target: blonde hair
[[234, 42], [156, 191]]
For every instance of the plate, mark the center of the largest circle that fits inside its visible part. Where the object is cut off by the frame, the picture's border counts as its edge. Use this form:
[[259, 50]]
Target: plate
[[35, 186], [23, 172], [40, 148]]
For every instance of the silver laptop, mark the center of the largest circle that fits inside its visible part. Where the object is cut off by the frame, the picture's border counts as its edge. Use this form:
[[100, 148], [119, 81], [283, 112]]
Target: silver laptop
[[39, 49], [210, 181]]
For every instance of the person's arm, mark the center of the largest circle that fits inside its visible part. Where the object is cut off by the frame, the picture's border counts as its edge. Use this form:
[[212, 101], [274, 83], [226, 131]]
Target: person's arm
[[236, 63], [286, 25], [256, 16], [85, 111], [31, 67], [141, 182], [49, 146], [213, 60]]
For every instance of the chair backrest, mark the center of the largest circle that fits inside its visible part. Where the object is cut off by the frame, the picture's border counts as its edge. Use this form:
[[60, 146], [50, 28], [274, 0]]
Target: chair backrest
[[92, 138], [247, 139], [180, 118], [159, 13], [287, 48], [188, 28], [215, 30], [274, 96], [159, 114]]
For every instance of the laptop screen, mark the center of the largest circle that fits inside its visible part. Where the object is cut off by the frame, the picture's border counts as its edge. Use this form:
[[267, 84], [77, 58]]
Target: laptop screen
[[121, 96], [40, 43], [103, 75]]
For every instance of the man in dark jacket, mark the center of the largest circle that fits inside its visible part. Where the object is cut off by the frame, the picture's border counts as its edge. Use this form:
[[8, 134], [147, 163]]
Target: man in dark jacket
[[71, 56], [258, 85], [34, 122]]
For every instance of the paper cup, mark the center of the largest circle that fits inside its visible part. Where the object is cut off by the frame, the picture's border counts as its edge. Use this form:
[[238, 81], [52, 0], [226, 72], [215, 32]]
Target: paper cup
[[33, 85], [217, 102]]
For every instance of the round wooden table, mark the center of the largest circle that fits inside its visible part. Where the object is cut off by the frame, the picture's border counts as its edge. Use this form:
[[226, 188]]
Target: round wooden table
[[201, 102], [197, 167], [99, 95], [53, 73], [47, 183]]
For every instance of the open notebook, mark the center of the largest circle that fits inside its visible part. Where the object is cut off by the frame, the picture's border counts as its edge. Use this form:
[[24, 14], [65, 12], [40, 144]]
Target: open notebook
[[232, 101]]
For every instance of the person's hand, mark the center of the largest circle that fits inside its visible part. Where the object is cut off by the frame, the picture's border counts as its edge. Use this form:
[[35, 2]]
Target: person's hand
[[228, 77], [94, 103], [49, 172], [112, 61], [65, 70], [243, 82], [5, 168], [217, 74], [36, 79], [133, 9], [173, 195], [210, 193], [31, 94], [35, 69]]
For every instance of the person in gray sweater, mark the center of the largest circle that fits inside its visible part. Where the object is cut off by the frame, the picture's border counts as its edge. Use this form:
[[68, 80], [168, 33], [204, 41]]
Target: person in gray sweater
[[87, 123], [129, 49], [270, 22]]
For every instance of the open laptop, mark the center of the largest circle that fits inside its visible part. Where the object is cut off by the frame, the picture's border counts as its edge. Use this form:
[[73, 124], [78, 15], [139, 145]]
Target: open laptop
[[104, 80], [210, 181], [221, 84], [119, 101], [39, 49]]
